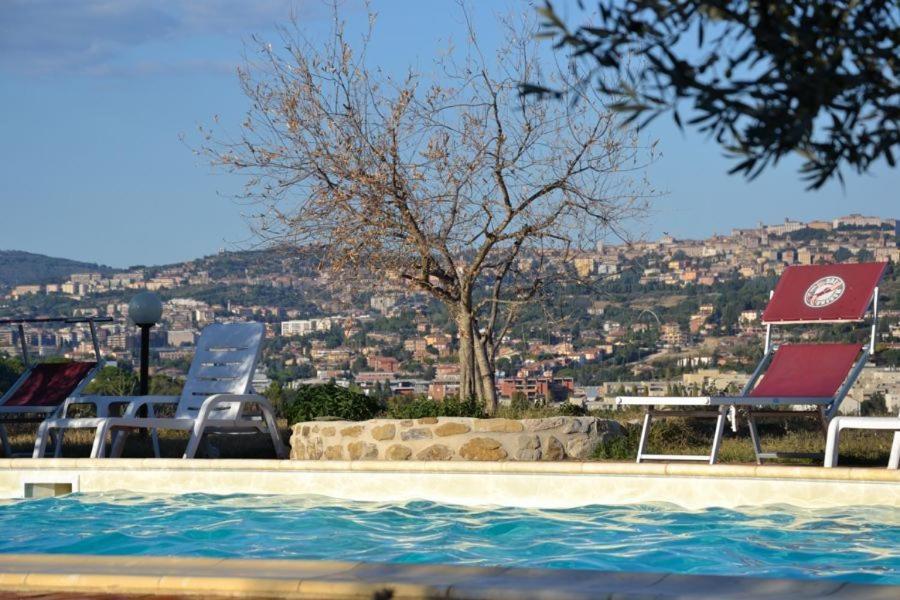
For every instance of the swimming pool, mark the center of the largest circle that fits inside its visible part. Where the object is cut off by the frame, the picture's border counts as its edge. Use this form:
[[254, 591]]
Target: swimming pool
[[860, 544]]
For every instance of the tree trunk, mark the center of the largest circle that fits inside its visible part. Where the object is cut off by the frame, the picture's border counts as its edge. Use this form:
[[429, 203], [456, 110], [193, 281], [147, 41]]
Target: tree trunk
[[466, 356], [486, 374]]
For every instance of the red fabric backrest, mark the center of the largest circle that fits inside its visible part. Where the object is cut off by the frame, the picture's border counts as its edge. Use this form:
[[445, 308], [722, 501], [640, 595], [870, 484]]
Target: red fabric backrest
[[824, 293], [807, 370], [49, 384]]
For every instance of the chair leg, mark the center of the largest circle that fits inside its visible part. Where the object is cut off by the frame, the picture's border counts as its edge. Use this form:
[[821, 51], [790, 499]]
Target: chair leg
[[645, 433], [280, 450], [7, 448], [154, 434], [56, 438], [717, 438], [194, 442], [40, 440], [894, 461], [117, 444], [154, 438], [754, 437], [832, 443], [98, 450]]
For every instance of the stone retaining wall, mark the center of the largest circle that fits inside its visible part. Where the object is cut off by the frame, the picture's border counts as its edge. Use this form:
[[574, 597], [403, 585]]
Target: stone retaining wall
[[452, 438]]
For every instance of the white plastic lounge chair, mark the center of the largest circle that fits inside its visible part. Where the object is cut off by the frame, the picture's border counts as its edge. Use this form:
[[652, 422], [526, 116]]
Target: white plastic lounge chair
[[215, 397], [838, 424], [42, 388], [790, 375]]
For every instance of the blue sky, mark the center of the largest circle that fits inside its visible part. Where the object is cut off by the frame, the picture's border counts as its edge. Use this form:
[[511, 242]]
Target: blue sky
[[95, 96]]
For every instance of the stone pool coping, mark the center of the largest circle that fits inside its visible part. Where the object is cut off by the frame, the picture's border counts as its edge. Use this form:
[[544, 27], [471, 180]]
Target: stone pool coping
[[35, 573], [513, 483]]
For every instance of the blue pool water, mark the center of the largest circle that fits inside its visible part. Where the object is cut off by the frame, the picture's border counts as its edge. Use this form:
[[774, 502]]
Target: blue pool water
[[854, 543]]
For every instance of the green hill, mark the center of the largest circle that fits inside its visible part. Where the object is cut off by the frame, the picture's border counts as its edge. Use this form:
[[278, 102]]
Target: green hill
[[17, 267]]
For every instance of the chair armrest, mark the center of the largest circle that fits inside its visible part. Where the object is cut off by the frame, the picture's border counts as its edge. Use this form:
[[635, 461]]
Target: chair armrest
[[664, 401], [778, 401], [244, 399], [103, 403], [137, 402]]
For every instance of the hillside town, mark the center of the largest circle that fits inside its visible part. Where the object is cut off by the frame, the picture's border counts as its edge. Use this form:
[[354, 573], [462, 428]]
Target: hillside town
[[679, 329]]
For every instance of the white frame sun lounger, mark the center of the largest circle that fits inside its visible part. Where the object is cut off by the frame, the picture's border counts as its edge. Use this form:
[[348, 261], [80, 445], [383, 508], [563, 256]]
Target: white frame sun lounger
[[838, 424], [215, 398]]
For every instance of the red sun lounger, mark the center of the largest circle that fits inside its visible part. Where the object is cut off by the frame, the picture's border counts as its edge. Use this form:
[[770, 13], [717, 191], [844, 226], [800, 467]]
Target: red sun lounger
[[812, 376], [43, 388], [40, 391]]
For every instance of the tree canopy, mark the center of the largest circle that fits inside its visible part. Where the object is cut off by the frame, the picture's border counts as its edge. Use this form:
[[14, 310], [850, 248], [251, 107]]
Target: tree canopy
[[764, 79], [457, 186]]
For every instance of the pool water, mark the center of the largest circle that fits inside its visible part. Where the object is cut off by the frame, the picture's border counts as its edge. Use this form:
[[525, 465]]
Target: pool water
[[855, 544]]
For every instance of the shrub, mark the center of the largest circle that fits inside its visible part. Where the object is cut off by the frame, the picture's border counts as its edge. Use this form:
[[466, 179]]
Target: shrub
[[874, 406], [329, 400], [417, 408], [619, 448], [567, 409], [519, 403]]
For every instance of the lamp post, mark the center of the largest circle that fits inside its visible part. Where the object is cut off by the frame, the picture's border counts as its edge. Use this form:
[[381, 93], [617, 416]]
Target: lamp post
[[144, 310]]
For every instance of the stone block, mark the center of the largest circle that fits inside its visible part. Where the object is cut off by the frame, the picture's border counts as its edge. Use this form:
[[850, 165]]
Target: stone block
[[362, 450], [553, 449], [384, 432], [352, 431], [435, 452], [451, 428], [334, 453], [398, 452], [314, 449], [418, 433], [581, 445], [529, 447], [483, 448], [298, 451], [543, 424], [498, 425]]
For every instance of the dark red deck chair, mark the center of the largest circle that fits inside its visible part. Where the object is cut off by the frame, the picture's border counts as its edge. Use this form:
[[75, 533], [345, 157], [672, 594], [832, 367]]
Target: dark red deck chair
[[815, 376], [40, 391]]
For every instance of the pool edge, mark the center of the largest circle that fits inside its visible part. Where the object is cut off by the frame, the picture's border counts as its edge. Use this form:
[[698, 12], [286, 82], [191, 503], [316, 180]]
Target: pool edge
[[86, 574]]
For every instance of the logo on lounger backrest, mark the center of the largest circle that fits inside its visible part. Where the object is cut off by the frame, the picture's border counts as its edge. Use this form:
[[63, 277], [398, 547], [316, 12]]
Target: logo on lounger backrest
[[824, 292]]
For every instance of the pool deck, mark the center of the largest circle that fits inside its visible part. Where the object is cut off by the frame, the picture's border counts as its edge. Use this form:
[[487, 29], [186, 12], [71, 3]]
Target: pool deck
[[29, 573], [518, 484]]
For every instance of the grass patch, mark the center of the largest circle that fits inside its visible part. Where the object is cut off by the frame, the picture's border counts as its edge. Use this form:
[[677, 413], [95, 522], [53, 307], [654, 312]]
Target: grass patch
[[680, 436], [78, 442]]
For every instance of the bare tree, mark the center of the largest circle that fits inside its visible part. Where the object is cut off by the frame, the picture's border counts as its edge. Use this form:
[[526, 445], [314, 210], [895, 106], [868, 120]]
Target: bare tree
[[452, 180]]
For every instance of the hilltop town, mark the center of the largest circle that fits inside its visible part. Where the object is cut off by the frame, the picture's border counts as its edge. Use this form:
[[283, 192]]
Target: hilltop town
[[647, 317]]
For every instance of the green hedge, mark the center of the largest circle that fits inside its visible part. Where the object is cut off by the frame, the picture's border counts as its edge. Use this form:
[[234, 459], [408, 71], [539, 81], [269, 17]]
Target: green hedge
[[417, 408], [329, 400]]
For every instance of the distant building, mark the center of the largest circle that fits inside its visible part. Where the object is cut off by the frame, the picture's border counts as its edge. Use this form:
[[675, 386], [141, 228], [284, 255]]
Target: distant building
[[787, 227], [183, 337], [858, 220], [556, 389], [672, 335], [443, 388], [25, 290], [305, 326], [387, 364]]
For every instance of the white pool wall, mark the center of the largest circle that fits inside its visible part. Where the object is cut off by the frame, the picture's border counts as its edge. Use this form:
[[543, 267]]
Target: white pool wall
[[518, 484]]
